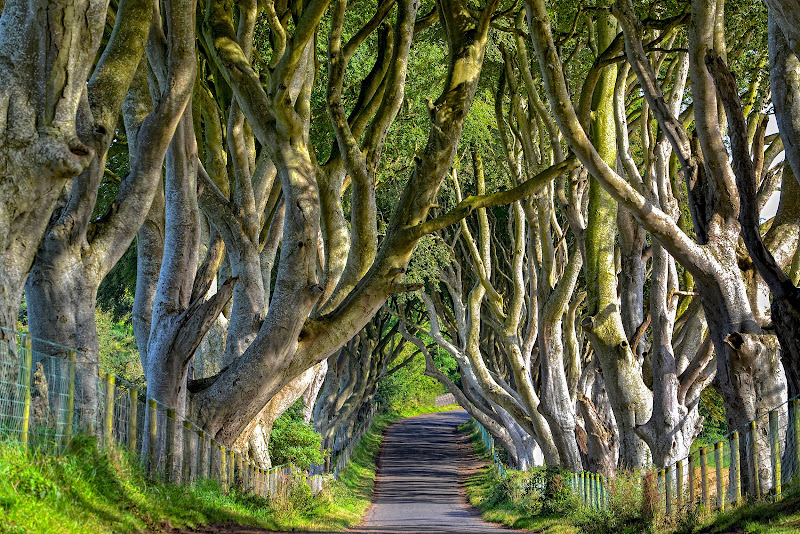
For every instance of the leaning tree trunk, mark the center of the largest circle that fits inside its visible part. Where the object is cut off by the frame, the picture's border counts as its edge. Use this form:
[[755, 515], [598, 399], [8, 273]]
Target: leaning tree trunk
[[40, 142], [557, 406]]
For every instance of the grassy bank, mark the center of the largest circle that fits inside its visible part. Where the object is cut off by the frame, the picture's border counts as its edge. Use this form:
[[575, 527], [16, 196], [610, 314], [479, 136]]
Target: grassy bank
[[506, 501], [87, 490]]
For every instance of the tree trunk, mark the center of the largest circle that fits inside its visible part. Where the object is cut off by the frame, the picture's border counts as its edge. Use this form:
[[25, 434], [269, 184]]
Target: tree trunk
[[40, 146], [603, 325]]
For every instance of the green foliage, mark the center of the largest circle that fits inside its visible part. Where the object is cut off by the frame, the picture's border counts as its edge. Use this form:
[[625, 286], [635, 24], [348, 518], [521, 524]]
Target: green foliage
[[712, 408], [292, 440], [118, 351], [22, 316], [538, 491], [625, 512], [88, 490], [409, 391], [117, 289], [430, 256]]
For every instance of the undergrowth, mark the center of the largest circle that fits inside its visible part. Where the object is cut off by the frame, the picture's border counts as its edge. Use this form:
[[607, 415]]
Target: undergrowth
[[539, 500], [90, 490]]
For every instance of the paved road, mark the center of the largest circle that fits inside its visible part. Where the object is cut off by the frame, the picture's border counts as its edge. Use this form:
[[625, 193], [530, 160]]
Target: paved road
[[418, 486]]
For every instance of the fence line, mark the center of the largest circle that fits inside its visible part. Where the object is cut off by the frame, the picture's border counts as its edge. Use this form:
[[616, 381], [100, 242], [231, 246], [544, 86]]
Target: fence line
[[344, 456], [754, 462], [488, 441], [46, 400]]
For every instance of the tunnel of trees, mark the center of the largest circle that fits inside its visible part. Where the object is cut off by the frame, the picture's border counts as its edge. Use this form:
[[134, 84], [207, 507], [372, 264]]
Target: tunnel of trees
[[583, 216]]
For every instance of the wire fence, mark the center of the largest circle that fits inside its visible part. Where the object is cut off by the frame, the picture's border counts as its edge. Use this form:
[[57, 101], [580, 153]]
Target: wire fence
[[757, 461], [488, 441], [347, 452], [46, 399]]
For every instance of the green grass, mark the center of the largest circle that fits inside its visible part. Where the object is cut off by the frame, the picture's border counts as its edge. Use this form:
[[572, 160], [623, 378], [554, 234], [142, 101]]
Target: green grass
[[780, 517], [481, 491], [96, 491]]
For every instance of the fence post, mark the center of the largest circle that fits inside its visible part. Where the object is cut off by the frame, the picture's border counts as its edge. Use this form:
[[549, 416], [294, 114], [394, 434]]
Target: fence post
[[597, 490], [169, 447], [796, 436], [720, 481], [152, 430], [736, 467], [27, 364], [668, 489], [186, 475], [583, 486], [679, 475], [213, 461], [70, 411], [704, 478], [223, 469], [133, 399], [754, 459], [108, 422], [692, 481], [200, 471], [775, 452], [231, 468]]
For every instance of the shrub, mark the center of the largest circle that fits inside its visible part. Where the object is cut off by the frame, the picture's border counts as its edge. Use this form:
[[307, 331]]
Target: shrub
[[540, 491], [292, 440], [625, 512]]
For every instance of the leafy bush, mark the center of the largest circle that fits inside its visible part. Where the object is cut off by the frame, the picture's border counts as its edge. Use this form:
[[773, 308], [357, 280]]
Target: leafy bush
[[294, 441], [539, 491], [118, 351], [409, 391], [627, 511]]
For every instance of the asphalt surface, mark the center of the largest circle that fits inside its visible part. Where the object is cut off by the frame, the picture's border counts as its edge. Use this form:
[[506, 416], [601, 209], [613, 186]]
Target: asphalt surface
[[418, 488], [419, 471]]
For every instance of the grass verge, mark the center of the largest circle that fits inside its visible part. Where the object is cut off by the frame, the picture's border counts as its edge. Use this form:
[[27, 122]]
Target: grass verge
[[779, 517], [487, 492], [506, 501], [89, 490]]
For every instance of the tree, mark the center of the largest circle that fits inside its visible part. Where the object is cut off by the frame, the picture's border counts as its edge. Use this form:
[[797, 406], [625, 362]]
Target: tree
[[41, 145], [746, 359]]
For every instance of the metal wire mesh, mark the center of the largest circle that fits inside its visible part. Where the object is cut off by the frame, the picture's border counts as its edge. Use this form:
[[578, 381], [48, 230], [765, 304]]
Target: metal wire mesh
[[488, 441], [756, 461], [46, 399]]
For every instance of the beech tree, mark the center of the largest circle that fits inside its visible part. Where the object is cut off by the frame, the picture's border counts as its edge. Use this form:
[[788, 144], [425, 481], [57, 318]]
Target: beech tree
[[292, 336], [743, 351], [76, 252], [48, 52]]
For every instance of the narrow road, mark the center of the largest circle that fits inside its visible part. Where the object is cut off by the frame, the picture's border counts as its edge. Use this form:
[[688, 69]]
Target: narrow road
[[418, 487]]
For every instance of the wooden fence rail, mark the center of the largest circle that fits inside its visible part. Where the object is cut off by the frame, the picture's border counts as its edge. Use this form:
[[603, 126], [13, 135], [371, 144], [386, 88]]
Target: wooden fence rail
[[46, 400]]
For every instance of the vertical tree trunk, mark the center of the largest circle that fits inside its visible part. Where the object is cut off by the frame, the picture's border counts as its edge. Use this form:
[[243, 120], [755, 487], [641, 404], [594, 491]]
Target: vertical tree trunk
[[622, 371]]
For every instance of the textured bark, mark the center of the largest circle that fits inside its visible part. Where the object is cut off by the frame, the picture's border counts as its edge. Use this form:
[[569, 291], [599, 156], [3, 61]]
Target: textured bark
[[786, 14], [603, 322], [715, 207], [255, 441], [76, 253], [557, 405], [289, 341], [47, 51], [350, 388], [601, 440]]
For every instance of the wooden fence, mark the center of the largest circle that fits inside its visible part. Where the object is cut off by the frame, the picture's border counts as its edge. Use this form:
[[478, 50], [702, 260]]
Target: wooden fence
[[754, 462], [46, 399]]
